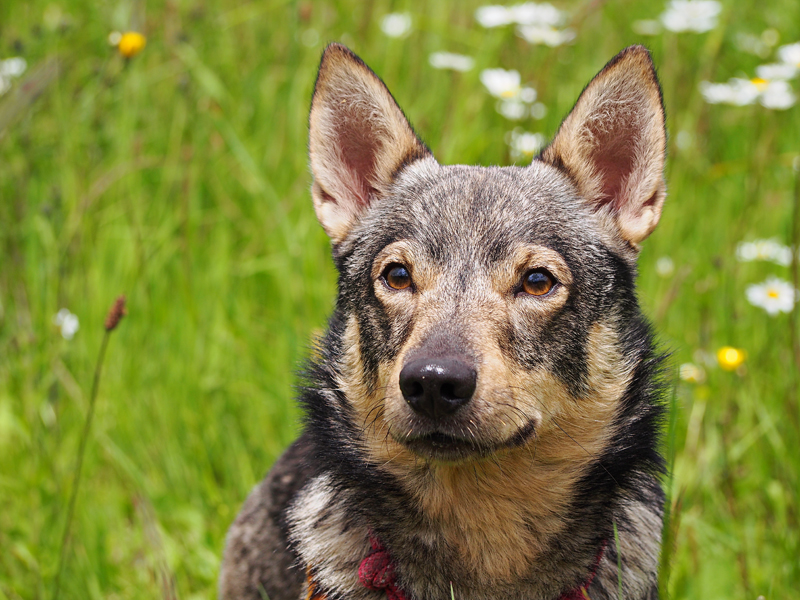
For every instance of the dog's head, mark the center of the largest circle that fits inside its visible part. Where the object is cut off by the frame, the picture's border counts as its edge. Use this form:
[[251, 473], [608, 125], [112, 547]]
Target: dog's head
[[486, 308]]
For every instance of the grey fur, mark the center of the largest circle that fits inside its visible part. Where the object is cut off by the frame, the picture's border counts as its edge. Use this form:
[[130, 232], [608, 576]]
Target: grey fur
[[559, 442], [257, 560]]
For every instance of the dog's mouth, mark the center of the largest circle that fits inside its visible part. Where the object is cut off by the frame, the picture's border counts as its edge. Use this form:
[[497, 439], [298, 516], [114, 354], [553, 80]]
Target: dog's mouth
[[444, 447]]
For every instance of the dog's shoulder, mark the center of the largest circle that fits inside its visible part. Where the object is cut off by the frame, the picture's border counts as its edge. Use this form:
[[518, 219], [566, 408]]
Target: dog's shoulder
[[258, 561]]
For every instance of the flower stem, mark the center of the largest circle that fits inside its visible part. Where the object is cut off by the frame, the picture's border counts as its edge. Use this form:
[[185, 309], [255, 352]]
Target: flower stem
[[76, 479]]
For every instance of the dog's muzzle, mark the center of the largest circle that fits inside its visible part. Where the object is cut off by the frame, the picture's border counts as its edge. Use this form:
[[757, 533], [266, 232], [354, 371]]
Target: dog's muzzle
[[437, 387]]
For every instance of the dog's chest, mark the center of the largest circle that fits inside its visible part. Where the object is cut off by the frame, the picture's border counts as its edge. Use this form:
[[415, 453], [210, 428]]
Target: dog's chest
[[331, 545], [481, 557]]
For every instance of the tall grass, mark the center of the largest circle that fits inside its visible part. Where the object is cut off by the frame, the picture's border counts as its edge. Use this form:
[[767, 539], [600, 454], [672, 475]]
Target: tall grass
[[180, 178]]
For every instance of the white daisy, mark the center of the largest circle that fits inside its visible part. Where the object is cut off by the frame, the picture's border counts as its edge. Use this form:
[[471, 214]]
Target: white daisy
[[691, 15], [770, 36], [684, 140], [449, 60], [665, 266], [13, 67], [309, 37], [769, 250], [739, 92], [545, 34], [525, 144], [501, 83], [777, 95], [494, 16], [10, 68], [515, 102], [692, 373], [67, 323], [513, 109], [790, 54], [774, 295], [538, 110], [703, 357], [646, 27], [396, 24], [527, 13], [527, 94], [531, 13], [776, 71]]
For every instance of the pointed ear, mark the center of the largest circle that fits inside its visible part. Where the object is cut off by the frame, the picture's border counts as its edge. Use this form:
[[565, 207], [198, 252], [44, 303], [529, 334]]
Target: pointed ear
[[613, 144], [359, 140]]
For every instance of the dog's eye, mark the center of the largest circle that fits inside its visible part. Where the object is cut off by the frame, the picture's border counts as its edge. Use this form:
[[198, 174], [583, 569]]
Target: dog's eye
[[538, 282], [396, 276]]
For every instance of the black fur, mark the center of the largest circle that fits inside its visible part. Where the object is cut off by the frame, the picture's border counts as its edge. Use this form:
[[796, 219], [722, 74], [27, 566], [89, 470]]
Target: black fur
[[327, 495]]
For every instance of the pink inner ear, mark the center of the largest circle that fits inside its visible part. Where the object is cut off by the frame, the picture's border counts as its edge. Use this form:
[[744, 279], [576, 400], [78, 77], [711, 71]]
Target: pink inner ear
[[358, 146], [613, 155]]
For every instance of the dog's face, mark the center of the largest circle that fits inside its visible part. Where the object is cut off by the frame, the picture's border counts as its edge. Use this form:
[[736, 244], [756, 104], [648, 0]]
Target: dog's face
[[482, 304], [472, 294]]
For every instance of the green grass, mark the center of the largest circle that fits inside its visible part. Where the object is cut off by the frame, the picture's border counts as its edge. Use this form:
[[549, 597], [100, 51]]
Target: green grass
[[180, 179]]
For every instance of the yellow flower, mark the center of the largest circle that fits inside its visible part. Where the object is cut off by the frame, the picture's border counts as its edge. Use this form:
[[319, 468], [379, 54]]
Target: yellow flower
[[730, 358], [131, 43]]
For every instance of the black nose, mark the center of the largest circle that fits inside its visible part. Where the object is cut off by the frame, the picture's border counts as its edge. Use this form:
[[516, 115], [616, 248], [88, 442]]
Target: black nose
[[437, 387]]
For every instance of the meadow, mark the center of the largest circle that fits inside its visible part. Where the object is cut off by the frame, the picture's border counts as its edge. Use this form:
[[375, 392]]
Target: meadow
[[178, 176]]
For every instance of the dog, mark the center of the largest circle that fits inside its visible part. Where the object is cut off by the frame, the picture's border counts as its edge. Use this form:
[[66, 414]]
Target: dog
[[483, 415]]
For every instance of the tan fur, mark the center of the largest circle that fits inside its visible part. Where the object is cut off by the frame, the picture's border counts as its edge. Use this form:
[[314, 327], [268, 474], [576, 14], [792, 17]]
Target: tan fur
[[617, 99], [319, 535], [516, 499], [353, 100]]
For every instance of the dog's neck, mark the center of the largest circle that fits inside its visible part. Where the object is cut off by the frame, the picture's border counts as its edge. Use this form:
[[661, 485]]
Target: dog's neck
[[430, 554], [499, 516], [378, 572]]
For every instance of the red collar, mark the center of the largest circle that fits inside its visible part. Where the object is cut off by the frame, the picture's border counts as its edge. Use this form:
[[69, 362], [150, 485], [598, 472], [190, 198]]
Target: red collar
[[580, 593], [377, 572]]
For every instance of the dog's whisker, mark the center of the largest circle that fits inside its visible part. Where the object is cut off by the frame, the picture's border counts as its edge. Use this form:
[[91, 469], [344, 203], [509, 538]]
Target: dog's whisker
[[378, 415], [375, 408]]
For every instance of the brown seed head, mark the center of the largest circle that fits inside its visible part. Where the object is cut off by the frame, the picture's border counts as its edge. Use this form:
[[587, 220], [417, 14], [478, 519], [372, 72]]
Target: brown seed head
[[116, 313]]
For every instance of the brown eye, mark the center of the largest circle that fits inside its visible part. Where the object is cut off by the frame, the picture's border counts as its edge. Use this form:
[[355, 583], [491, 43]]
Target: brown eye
[[537, 282], [397, 277]]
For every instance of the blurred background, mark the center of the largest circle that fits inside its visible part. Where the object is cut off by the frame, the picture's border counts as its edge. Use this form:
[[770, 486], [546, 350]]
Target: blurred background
[[158, 150]]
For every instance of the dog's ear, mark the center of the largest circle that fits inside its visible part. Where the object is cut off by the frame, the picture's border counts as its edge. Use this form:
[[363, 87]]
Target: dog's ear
[[359, 140], [613, 144]]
